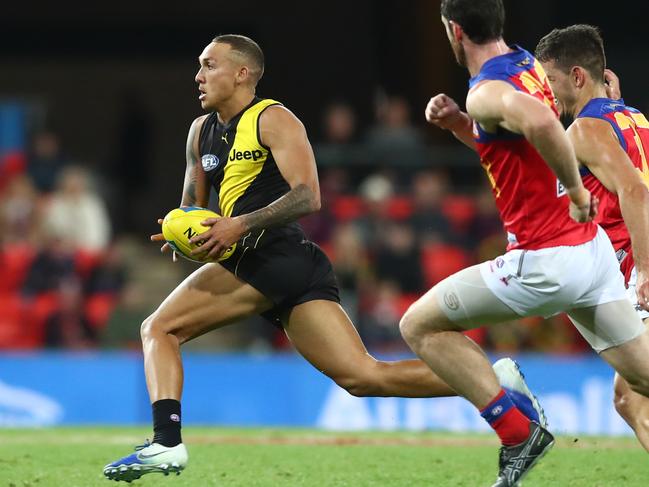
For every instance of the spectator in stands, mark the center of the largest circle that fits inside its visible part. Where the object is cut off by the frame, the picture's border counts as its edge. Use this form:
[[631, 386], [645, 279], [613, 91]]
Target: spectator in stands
[[108, 276], [376, 191], [398, 258], [486, 229], [349, 257], [339, 123], [350, 261], [76, 214], [19, 214], [393, 139], [53, 264], [68, 327], [338, 135], [379, 324], [428, 191], [45, 161]]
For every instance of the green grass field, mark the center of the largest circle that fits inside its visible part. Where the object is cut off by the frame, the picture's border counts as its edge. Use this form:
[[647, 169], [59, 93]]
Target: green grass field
[[74, 457]]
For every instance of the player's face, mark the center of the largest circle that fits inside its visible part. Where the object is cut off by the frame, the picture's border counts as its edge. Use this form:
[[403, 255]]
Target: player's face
[[458, 48], [217, 76], [564, 90]]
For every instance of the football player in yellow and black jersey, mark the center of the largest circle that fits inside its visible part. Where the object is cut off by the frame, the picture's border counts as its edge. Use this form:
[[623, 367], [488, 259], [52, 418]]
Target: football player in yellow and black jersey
[[256, 156]]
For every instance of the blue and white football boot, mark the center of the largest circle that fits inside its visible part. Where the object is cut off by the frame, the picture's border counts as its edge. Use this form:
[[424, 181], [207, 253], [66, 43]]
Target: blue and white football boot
[[148, 458], [513, 381]]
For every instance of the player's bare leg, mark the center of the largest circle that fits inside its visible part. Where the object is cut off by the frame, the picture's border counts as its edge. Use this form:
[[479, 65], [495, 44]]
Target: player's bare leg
[[633, 407], [210, 298], [323, 333], [456, 358], [438, 341], [630, 358]]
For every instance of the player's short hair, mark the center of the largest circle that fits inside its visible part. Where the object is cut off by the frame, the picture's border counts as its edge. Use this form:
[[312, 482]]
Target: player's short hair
[[481, 20], [577, 45], [247, 49]]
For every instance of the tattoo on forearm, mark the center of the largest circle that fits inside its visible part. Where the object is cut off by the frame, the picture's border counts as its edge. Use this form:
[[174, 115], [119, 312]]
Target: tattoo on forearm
[[189, 191], [298, 202], [189, 187]]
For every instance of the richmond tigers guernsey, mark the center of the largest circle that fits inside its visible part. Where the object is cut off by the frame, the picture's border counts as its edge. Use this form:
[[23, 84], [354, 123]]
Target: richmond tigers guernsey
[[632, 130], [279, 261], [241, 169], [532, 204]]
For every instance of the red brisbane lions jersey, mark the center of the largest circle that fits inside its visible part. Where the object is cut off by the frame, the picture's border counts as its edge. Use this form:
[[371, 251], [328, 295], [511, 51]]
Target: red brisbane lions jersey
[[632, 130], [532, 203]]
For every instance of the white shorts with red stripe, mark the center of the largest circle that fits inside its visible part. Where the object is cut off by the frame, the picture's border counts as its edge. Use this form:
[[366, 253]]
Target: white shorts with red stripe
[[631, 294]]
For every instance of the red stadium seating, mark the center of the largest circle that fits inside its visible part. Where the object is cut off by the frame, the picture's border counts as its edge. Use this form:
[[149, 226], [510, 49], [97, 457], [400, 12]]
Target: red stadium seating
[[11, 164], [13, 329], [347, 207], [460, 210], [400, 207], [98, 308], [85, 261], [15, 260], [441, 260]]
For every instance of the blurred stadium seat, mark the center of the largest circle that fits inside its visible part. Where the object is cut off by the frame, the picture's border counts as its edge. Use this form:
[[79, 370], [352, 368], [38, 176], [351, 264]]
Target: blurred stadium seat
[[441, 260]]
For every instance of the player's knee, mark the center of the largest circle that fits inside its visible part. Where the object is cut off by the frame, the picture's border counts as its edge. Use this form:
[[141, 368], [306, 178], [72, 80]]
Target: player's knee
[[408, 327], [358, 385], [622, 404], [364, 381], [414, 326], [150, 327], [145, 328]]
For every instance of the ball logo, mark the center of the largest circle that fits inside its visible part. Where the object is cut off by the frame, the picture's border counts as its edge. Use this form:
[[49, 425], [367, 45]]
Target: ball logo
[[209, 161], [500, 262], [497, 410], [175, 417]]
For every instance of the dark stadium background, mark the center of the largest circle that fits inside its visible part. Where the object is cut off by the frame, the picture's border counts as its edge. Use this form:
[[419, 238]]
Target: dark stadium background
[[80, 60], [114, 81]]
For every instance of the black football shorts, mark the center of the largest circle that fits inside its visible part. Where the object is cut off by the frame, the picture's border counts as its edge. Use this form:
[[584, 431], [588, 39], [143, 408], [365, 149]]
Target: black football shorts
[[285, 267]]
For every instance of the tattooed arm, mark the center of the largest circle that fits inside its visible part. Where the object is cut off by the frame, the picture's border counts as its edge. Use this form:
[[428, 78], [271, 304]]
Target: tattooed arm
[[196, 191], [286, 137], [196, 187]]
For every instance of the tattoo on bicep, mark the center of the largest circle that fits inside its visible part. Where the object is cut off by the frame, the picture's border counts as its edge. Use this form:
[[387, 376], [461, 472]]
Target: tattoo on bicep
[[298, 202]]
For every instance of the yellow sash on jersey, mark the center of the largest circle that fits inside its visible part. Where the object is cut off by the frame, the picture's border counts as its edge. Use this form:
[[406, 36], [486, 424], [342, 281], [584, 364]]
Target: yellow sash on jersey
[[246, 158]]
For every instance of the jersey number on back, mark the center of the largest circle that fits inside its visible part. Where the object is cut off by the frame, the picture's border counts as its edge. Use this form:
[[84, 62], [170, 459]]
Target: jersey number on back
[[634, 121]]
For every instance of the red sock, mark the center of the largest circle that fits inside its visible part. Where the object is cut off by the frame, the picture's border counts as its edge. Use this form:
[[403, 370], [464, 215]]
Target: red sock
[[512, 426]]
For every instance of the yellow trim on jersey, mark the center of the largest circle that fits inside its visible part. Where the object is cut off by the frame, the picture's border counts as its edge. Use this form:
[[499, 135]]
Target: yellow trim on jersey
[[246, 158]]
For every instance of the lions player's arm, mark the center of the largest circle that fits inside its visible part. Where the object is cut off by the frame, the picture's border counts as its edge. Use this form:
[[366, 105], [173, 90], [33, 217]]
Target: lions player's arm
[[598, 148], [196, 185], [612, 84], [286, 137], [444, 112], [497, 103]]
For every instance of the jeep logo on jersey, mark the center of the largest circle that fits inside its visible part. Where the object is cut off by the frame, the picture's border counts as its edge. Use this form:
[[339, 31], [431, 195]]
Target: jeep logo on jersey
[[210, 161], [247, 155]]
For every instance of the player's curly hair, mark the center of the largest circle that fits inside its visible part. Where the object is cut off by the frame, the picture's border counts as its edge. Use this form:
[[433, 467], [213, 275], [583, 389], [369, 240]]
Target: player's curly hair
[[247, 49], [482, 20], [577, 45]]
